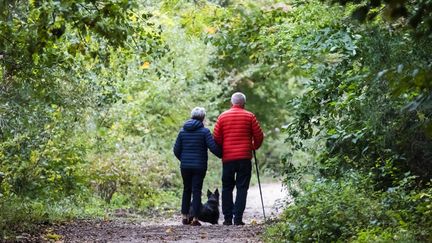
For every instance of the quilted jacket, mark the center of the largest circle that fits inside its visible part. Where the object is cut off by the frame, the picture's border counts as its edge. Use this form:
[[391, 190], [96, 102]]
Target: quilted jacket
[[192, 143], [238, 132]]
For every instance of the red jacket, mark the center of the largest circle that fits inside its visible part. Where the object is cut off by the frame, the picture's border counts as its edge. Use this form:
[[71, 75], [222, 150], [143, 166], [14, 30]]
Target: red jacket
[[238, 132]]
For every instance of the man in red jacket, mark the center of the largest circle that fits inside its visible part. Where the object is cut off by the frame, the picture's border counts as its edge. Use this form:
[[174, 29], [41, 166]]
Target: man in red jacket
[[238, 132]]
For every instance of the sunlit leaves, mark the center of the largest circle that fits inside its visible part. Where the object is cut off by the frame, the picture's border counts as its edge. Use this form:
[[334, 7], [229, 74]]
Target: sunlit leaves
[[54, 62], [416, 12]]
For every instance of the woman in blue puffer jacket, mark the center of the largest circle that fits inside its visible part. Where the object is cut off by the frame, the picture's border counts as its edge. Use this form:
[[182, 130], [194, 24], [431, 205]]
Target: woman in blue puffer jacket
[[190, 148]]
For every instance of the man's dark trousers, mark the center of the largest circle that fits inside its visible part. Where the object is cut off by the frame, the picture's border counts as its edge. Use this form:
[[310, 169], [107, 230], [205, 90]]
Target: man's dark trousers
[[235, 173]]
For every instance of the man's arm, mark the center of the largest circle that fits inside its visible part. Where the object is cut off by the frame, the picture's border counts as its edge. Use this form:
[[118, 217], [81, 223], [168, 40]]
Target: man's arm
[[217, 132], [257, 134]]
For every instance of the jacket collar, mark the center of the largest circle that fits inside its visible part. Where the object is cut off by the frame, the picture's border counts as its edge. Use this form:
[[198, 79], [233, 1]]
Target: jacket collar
[[237, 106]]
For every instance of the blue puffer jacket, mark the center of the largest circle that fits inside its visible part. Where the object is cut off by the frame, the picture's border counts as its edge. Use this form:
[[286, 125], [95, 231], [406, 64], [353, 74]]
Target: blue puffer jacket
[[192, 143]]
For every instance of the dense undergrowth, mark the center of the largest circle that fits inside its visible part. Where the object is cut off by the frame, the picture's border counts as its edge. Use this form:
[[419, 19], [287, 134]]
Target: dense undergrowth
[[90, 109], [93, 94], [359, 163]]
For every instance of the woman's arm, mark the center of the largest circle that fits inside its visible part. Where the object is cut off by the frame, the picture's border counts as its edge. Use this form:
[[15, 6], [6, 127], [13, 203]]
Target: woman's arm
[[211, 144], [178, 146]]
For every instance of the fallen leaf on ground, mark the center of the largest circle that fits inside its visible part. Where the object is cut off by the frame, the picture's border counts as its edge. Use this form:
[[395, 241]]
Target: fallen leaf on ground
[[53, 236]]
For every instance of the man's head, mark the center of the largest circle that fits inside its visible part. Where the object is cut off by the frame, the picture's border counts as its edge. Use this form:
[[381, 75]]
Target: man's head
[[198, 113], [238, 98]]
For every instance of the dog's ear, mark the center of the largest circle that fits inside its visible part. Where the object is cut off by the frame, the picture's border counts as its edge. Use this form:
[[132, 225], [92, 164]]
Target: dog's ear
[[217, 192], [208, 193]]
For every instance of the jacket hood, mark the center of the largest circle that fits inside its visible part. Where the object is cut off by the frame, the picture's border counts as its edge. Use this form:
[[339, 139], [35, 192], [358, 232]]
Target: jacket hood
[[192, 125]]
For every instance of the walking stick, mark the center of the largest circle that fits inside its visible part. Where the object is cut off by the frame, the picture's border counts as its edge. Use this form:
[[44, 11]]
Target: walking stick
[[259, 185]]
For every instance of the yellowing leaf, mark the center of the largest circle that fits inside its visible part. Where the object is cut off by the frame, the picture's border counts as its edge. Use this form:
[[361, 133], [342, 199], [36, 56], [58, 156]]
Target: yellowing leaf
[[210, 30], [146, 65], [169, 230], [133, 18], [34, 156]]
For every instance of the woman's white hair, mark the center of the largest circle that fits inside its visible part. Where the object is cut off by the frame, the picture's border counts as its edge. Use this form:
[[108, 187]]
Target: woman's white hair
[[238, 98], [198, 113]]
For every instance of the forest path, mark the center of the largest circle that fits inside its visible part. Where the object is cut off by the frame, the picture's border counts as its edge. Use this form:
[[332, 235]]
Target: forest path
[[170, 229]]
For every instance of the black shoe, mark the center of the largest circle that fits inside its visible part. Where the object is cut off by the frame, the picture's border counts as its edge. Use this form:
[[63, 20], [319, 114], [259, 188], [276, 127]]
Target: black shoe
[[227, 222], [195, 223], [185, 221], [239, 223]]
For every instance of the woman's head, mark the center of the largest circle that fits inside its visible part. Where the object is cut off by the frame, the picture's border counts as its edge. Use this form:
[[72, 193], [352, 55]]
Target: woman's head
[[198, 113]]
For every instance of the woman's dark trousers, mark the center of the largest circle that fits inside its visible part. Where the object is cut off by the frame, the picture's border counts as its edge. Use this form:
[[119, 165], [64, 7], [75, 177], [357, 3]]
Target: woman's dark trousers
[[192, 184], [235, 173]]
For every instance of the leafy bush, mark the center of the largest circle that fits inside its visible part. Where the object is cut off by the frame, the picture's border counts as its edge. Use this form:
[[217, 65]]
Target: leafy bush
[[351, 99], [93, 95], [327, 211], [348, 209], [23, 214], [385, 235]]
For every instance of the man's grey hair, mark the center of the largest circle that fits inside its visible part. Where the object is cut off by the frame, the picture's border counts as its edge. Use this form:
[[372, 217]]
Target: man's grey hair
[[238, 98], [198, 113]]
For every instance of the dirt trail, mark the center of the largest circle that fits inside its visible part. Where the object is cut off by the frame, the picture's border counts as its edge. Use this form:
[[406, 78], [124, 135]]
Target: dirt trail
[[169, 230]]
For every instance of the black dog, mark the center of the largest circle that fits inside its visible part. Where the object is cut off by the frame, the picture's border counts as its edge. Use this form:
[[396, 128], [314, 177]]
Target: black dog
[[210, 210]]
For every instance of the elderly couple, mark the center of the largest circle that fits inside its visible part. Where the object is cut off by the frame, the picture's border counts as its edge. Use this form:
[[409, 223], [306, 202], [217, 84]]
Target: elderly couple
[[237, 132]]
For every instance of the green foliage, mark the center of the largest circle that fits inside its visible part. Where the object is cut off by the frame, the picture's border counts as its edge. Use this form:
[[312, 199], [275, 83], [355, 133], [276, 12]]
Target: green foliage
[[367, 113], [93, 94], [347, 209], [21, 215], [327, 211], [349, 97], [250, 60], [416, 14], [92, 112], [48, 61]]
